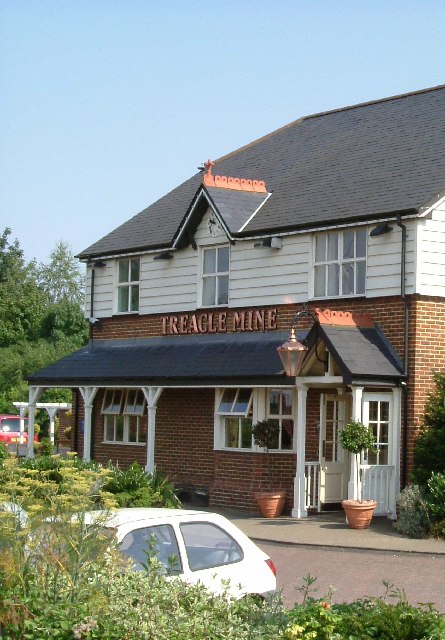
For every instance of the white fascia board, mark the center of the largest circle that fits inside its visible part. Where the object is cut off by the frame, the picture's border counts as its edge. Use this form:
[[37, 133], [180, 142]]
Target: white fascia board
[[432, 204], [255, 212]]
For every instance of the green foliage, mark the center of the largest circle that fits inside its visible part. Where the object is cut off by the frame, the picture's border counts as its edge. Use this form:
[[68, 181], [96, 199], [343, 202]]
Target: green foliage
[[429, 448], [412, 520], [356, 437], [133, 487], [41, 318]]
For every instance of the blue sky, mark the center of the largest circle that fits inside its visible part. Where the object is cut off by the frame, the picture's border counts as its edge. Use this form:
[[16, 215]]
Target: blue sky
[[106, 105]]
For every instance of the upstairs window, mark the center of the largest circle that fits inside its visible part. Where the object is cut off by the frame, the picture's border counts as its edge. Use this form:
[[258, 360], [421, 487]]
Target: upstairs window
[[340, 263], [215, 277], [128, 285]]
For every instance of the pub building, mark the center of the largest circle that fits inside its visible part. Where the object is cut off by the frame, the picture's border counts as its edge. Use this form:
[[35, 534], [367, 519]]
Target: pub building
[[300, 279]]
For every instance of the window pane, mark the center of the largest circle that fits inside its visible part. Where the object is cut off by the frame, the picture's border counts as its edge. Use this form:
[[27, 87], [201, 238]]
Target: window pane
[[242, 401], [122, 299], [383, 455], [275, 443], [246, 433], [348, 244], [209, 291], [223, 259], [320, 248], [319, 281], [209, 546], [347, 279], [132, 428], [135, 270], [209, 261], [119, 428], [274, 402], [227, 401], [373, 411], [231, 432], [108, 401], [123, 271], [135, 297], [361, 277], [159, 540], [333, 280], [223, 289], [383, 432], [360, 243], [109, 428], [332, 246], [384, 411], [117, 401], [286, 408], [287, 432]]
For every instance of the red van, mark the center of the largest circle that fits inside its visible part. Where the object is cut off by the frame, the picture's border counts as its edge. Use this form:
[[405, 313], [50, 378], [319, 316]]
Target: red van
[[10, 429]]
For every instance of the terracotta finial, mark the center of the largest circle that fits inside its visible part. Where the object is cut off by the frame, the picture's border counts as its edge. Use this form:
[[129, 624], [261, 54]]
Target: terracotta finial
[[209, 166]]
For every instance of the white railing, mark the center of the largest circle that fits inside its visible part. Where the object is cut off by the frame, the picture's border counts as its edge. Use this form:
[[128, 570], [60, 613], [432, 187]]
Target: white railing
[[377, 482], [312, 475]]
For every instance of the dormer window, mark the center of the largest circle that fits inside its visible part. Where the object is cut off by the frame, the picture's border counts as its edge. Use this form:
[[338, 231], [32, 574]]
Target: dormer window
[[215, 276], [128, 285]]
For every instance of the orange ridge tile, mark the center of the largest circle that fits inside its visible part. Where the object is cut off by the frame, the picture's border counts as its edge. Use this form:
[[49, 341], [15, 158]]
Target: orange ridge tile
[[344, 318]]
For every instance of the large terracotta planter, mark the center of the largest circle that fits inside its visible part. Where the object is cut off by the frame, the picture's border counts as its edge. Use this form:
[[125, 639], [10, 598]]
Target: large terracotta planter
[[270, 503], [359, 512]]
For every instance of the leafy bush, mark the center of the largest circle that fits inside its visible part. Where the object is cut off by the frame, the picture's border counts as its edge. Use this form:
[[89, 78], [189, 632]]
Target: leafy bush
[[133, 487], [429, 448], [412, 518], [356, 437]]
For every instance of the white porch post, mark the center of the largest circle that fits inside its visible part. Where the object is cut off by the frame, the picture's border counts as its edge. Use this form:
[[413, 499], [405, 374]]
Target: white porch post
[[52, 412], [353, 489], [394, 449], [299, 510], [152, 395], [23, 411], [34, 395], [88, 395]]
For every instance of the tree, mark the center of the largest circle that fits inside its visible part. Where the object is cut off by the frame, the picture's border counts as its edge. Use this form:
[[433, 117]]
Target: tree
[[429, 448], [62, 279]]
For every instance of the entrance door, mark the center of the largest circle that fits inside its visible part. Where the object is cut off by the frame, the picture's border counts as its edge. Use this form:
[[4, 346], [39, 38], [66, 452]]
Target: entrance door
[[333, 461]]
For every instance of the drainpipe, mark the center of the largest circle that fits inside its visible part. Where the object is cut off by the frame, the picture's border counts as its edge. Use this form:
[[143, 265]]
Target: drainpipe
[[405, 352]]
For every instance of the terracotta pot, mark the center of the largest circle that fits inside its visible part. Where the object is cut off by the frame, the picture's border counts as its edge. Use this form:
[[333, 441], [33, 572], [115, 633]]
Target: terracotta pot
[[270, 503], [359, 512]]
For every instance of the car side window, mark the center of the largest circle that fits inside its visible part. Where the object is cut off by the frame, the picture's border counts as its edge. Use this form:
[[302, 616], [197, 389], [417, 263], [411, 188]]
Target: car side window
[[207, 546], [159, 541]]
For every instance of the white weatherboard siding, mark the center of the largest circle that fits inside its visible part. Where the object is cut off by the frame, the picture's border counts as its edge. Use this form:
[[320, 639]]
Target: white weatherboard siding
[[431, 254], [385, 259], [103, 291], [261, 276]]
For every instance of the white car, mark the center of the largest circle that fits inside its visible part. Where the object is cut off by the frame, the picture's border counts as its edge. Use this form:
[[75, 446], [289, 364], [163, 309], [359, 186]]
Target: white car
[[198, 546]]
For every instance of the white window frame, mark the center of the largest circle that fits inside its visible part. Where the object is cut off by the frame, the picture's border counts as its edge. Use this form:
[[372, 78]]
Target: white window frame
[[283, 416], [221, 415], [340, 262], [216, 274], [131, 284], [126, 413]]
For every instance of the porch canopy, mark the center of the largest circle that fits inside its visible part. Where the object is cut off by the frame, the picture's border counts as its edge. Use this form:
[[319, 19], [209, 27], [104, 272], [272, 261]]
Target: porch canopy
[[191, 360]]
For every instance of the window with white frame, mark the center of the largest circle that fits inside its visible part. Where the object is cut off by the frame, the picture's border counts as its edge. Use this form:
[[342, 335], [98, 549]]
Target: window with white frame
[[236, 413], [128, 277], [124, 419], [280, 410], [215, 276], [340, 263]]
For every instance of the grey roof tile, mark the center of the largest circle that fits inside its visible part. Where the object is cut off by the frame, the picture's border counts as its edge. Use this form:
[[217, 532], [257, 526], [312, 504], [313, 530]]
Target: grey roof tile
[[353, 163]]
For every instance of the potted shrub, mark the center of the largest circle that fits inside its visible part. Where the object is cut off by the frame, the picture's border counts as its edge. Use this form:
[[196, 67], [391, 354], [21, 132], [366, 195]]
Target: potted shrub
[[271, 501], [356, 437]]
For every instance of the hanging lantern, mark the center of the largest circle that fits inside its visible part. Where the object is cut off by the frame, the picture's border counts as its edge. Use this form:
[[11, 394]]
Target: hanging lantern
[[292, 353]]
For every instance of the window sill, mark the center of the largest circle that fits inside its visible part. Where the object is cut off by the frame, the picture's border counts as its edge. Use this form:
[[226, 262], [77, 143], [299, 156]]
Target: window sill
[[125, 444]]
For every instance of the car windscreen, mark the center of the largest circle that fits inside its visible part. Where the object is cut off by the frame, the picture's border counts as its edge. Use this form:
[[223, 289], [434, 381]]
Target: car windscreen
[[155, 541], [11, 424]]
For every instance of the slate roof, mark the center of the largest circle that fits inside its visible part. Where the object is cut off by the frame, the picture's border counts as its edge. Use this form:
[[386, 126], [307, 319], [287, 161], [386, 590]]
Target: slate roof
[[236, 207], [171, 360], [364, 354], [369, 160]]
